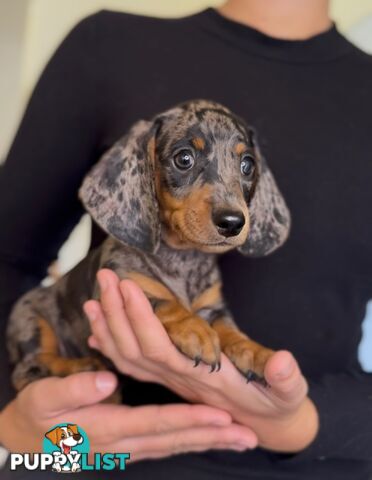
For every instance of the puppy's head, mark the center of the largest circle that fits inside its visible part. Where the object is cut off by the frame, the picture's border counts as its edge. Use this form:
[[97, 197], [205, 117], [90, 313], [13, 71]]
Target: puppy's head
[[65, 437], [194, 175]]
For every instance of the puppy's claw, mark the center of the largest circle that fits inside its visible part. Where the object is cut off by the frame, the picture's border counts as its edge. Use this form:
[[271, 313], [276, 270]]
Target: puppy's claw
[[197, 361], [252, 376], [215, 367]]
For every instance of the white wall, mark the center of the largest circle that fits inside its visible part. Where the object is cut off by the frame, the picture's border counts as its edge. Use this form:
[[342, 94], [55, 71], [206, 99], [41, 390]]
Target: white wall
[[13, 16], [361, 33]]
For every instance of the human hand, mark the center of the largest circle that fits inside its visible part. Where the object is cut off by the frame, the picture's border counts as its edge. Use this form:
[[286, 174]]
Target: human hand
[[126, 330], [146, 432]]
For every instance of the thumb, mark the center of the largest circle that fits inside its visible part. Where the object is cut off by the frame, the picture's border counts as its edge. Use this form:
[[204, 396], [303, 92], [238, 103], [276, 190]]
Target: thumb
[[285, 378], [53, 396]]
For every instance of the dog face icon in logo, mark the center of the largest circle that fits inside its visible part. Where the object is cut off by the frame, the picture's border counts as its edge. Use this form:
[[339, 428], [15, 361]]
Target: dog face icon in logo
[[66, 456]]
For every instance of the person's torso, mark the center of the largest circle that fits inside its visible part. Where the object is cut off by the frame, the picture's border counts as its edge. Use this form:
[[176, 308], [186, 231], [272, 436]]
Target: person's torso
[[312, 122]]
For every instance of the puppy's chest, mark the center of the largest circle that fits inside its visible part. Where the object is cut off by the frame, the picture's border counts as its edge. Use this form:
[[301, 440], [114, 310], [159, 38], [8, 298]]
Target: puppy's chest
[[189, 277], [186, 274]]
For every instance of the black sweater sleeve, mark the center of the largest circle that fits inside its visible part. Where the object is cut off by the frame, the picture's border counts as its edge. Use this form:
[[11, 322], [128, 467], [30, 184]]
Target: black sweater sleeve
[[54, 147], [344, 402]]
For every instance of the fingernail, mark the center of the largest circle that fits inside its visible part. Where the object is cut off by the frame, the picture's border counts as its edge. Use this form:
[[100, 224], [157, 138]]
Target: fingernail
[[286, 370], [91, 314], [241, 447], [124, 291], [221, 422], [102, 283], [105, 382], [92, 342]]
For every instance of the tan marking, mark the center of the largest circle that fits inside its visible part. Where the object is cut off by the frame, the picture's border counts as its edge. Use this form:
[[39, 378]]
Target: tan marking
[[188, 219], [151, 148], [151, 287], [240, 148], [171, 311], [61, 366], [48, 339], [50, 357], [198, 143], [210, 297]]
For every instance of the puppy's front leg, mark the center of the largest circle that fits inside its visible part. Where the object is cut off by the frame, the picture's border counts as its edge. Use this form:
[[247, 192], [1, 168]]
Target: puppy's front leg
[[248, 356], [191, 334]]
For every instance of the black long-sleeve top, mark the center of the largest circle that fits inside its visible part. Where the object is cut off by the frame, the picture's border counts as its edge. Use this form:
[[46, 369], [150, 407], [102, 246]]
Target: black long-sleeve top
[[311, 103]]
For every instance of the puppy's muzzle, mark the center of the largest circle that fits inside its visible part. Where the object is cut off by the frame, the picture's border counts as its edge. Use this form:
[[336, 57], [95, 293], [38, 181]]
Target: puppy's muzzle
[[229, 223]]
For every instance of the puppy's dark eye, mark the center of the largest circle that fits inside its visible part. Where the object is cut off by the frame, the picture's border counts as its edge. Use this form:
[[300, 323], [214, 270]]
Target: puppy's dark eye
[[184, 160], [247, 165], [63, 436]]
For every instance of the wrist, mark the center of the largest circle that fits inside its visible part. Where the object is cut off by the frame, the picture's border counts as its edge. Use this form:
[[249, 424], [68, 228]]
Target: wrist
[[292, 433]]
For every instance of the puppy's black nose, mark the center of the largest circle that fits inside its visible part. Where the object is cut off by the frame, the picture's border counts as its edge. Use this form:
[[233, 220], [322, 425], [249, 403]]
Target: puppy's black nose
[[229, 224], [76, 436]]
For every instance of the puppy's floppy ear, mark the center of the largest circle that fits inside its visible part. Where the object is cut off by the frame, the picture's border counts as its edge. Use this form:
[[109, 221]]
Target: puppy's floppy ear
[[119, 191], [52, 435], [269, 215]]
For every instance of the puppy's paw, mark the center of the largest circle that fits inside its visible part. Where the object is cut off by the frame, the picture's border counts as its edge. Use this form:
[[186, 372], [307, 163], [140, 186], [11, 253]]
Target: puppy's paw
[[194, 337], [62, 366], [249, 358], [84, 364], [115, 398]]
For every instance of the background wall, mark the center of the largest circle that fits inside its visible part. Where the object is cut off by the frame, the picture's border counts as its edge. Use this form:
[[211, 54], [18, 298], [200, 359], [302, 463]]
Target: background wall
[[30, 30], [13, 17]]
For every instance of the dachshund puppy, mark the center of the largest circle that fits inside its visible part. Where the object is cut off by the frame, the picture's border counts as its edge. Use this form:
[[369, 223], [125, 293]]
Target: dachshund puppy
[[171, 194]]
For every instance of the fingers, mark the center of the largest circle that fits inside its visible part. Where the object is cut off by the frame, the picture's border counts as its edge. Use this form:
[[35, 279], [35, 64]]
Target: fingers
[[137, 457], [115, 421], [115, 314], [285, 378], [138, 333], [101, 338], [153, 340], [195, 439], [52, 396], [153, 455]]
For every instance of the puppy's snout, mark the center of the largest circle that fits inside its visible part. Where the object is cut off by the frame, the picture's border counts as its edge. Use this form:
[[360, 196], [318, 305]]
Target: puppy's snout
[[228, 223], [76, 436]]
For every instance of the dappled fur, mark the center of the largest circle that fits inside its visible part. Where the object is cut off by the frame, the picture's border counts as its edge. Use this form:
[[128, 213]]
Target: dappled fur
[[161, 233]]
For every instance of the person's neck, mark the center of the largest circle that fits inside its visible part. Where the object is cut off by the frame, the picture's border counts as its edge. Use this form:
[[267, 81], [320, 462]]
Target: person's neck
[[283, 19]]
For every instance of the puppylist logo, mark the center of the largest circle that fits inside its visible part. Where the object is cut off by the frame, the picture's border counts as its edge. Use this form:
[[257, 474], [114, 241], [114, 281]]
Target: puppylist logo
[[65, 450]]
